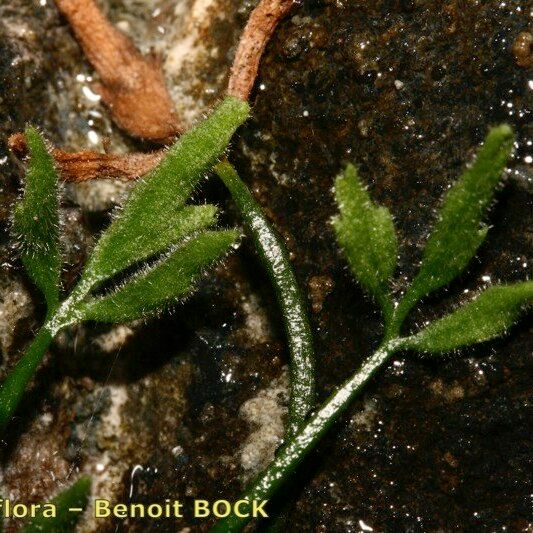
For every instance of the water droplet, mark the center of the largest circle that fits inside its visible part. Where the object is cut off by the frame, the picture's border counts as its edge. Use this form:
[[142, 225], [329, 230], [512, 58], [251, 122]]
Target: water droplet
[[90, 95], [93, 137], [364, 527]]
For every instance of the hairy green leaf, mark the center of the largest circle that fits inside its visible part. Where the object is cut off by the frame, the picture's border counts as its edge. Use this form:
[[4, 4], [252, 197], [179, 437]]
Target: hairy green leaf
[[170, 278], [185, 221], [155, 201], [36, 220], [459, 230], [484, 318], [366, 232], [75, 497]]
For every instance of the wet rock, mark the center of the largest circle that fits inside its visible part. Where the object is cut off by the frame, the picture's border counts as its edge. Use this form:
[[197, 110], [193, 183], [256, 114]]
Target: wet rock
[[15, 308], [319, 288], [405, 89]]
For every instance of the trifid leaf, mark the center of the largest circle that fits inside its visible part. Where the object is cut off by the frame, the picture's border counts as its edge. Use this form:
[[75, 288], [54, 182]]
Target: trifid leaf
[[170, 278], [484, 318], [459, 230], [153, 221], [75, 497], [366, 232], [36, 221], [156, 199], [187, 220]]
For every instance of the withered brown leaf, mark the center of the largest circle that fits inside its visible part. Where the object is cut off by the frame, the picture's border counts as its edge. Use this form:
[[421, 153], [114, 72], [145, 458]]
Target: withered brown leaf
[[87, 165]]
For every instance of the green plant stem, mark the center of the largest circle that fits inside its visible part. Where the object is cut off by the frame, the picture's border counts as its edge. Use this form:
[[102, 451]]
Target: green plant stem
[[275, 260], [292, 454], [15, 384], [401, 311], [13, 387]]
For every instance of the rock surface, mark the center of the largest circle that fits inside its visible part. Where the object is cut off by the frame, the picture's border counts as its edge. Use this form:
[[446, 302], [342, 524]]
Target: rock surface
[[406, 89]]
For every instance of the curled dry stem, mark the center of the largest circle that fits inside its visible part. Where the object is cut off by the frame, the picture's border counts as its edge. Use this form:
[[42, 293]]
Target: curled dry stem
[[258, 31]]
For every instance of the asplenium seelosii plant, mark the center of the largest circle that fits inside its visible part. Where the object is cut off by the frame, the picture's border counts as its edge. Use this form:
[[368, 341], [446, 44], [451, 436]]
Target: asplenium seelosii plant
[[365, 231], [166, 244]]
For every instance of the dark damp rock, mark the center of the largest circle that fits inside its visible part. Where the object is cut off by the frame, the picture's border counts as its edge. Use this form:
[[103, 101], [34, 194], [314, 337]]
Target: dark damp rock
[[405, 89], [523, 49]]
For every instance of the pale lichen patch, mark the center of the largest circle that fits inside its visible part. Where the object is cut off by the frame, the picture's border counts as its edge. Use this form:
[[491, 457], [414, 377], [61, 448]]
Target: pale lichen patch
[[115, 338], [256, 320], [365, 418], [265, 413], [451, 392], [107, 469]]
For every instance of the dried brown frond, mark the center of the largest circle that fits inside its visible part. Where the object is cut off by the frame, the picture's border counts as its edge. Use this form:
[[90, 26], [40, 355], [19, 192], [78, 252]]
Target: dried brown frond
[[131, 85], [87, 165]]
